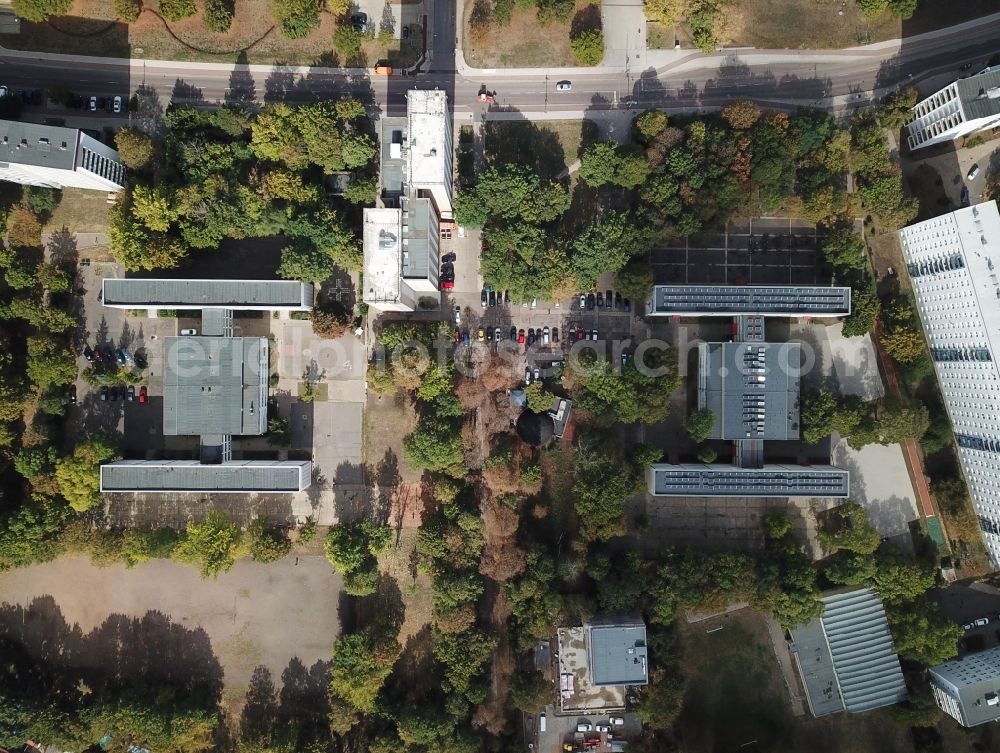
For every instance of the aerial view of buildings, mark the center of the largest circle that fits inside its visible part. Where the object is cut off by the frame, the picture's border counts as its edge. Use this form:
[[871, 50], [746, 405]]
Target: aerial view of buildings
[[486, 377]]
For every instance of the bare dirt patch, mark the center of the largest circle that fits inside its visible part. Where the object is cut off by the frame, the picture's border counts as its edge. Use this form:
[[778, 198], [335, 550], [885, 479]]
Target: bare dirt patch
[[80, 211], [387, 420], [522, 44]]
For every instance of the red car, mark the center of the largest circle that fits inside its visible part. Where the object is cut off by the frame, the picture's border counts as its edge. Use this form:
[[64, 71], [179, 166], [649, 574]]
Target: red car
[[447, 285], [520, 337], [581, 334], [142, 394]]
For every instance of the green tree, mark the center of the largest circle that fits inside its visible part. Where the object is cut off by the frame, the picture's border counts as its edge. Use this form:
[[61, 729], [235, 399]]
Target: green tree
[[904, 343], [347, 40], [127, 10], [137, 248], [865, 308], [662, 700], [741, 114], [817, 413], [539, 399], [23, 227], [898, 579], [899, 422], [49, 362], [852, 533], [587, 46], [267, 543], [600, 491], [608, 163], [40, 10], [707, 455], [154, 207], [306, 262], [362, 662], [635, 281], [218, 15], [212, 546], [175, 10], [895, 108], [922, 634], [605, 246], [79, 474], [434, 445], [850, 569], [651, 123], [699, 423], [844, 249]]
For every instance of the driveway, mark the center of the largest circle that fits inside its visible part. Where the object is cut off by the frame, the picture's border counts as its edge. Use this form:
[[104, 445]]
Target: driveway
[[624, 24]]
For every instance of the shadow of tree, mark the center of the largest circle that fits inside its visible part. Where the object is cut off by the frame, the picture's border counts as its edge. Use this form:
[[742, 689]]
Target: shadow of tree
[[242, 89]]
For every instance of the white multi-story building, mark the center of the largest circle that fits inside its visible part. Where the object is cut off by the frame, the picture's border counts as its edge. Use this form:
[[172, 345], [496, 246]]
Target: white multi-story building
[[56, 157], [954, 263], [968, 689], [964, 106], [430, 147]]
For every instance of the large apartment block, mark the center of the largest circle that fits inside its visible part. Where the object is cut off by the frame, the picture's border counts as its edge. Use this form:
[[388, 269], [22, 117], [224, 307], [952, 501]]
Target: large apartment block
[[965, 106], [954, 263], [55, 157], [968, 689]]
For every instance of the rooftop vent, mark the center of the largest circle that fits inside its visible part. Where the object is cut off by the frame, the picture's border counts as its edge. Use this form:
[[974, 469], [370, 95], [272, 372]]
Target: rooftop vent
[[993, 93], [386, 239], [992, 699]]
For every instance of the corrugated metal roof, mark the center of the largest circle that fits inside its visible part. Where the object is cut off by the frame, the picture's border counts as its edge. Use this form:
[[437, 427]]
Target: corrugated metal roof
[[215, 385], [865, 665], [242, 294], [976, 96], [40, 145], [785, 300], [192, 476]]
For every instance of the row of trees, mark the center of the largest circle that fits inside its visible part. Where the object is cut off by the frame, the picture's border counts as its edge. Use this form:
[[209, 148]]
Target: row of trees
[[861, 423], [229, 174]]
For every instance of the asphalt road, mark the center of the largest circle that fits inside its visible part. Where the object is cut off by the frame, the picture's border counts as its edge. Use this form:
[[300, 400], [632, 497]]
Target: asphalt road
[[838, 79]]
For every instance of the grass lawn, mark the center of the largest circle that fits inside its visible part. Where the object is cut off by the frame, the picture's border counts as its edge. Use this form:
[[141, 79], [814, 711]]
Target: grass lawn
[[522, 44], [387, 420], [814, 24], [80, 211], [735, 695], [547, 146], [90, 29]]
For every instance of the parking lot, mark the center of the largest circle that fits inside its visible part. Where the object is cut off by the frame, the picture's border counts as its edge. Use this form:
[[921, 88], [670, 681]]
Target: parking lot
[[754, 252]]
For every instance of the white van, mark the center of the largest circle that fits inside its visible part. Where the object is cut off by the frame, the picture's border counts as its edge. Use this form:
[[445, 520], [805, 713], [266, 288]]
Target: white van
[[541, 722]]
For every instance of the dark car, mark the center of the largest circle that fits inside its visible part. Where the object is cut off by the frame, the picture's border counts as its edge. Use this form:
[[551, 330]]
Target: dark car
[[104, 394], [465, 337], [72, 394], [113, 393], [531, 336], [608, 299], [88, 354], [506, 297], [600, 299], [965, 196], [590, 301], [406, 32], [489, 334], [483, 298], [966, 66], [360, 22], [493, 299], [447, 258], [121, 356], [140, 359], [513, 334], [572, 333], [618, 300]]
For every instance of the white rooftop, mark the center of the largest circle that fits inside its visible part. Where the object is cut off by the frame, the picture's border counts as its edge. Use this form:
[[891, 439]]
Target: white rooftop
[[427, 128], [381, 240]]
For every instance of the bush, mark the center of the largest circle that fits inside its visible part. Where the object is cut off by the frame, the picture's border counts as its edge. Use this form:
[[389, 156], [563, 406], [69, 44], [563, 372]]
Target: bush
[[127, 10], [267, 543], [218, 15], [347, 40], [175, 10], [588, 47], [296, 18], [40, 10]]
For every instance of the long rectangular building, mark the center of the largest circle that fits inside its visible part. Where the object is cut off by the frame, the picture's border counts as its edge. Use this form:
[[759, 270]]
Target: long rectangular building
[[962, 107], [738, 300], [954, 262], [235, 476], [770, 480], [238, 295], [57, 157]]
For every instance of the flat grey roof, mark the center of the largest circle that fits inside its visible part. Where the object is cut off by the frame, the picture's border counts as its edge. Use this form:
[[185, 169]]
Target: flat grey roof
[[768, 300], [618, 654], [417, 248], [865, 665], [977, 99], [815, 663], [752, 388], [135, 292], [40, 145], [215, 385], [977, 680], [771, 480], [392, 170], [191, 476]]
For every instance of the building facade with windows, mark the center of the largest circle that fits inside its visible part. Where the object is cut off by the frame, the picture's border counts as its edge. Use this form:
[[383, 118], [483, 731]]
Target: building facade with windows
[[962, 107], [968, 689], [954, 265], [57, 157]]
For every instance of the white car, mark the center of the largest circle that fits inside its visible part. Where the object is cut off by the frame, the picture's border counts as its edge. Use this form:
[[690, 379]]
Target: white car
[[93, 104], [617, 721], [527, 376], [583, 301], [545, 336], [117, 104], [602, 727], [3, 91], [973, 172], [189, 332], [584, 727], [538, 374], [564, 86], [458, 315]]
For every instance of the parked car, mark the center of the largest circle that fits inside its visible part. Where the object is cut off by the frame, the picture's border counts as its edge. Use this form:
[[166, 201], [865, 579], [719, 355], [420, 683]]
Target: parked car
[[617, 721], [584, 727], [3, 91], [108, 355], [966, 66], [93, 104], [449, 257], [493, 299], [122, 356], [583, 301], [72, 394], [88, 354], [973, 172], [965, 196], [189, 332], [483, 298], [458, 337], [465, 336], [140, 359], [581, 334], [527, 375], [497, 335], [608, 299], [602, 727], [982, 622], [142, 395], [104, 394], [113, 392], [513, 334], [481, 334], [531, 336], [624, 358], [117, 104], [590, 301], [618, 300], [506, 297], [458, 315], [564, 86], [572, 333], [489, 334], [520, 337], [534, 303], [360, 22], [594, 335], [600, 299], [537, 374], [131, 394]]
